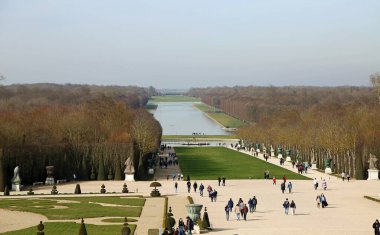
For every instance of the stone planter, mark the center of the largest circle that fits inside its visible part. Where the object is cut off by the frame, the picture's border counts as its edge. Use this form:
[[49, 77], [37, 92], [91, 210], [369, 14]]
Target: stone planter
[[194, 211]]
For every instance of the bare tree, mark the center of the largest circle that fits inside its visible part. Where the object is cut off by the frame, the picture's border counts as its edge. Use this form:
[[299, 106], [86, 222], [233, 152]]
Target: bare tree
[[375, 80]]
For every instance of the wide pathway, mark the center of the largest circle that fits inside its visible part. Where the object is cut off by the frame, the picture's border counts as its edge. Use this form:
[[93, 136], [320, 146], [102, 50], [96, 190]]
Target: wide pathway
[[151, 215]]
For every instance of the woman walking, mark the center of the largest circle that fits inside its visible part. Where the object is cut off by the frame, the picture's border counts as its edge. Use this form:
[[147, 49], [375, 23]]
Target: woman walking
[[293, 207], [237, 211], [227, 210]]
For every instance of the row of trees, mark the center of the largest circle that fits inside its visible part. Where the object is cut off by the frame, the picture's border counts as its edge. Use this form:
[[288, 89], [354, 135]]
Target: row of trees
[[91, 138], [313, 122]]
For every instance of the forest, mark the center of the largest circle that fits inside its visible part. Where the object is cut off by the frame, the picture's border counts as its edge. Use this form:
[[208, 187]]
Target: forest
[[312, 122], [84, 130]]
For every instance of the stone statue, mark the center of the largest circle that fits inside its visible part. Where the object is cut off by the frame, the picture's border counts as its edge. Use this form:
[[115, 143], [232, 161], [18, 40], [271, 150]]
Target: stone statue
[[372, 162], [328, 162], [313, 161], [271, 148], [129, 169], [279, 149], [16, 180]]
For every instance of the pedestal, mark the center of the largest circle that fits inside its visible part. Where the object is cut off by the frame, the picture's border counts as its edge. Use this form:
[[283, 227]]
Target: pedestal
[[328, 170], [373, 174], [49, 181], [16, 187], [288, 159], [272, 154], [279, 156], [129, 177], [314, 166]]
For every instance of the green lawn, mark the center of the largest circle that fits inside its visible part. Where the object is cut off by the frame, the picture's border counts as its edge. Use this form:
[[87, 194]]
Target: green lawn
[[70, 228], [208, 163], [173, 98], [118, 220], [84, 208], [223, 118]]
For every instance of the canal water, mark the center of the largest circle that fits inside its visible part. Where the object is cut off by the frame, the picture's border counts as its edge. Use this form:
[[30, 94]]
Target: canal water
[[182, 118]]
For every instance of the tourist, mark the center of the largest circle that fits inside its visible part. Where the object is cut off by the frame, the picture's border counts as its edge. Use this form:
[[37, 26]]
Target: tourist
[[250, 204], [176, 232], [201, 188], [224, 181], [195, 186], [315, 183], [286, 206], [254, 201], [293, 207], [189, 225], [219, 180], [283, 187], [274, 180], [323, 201], [318, 200], [181, 227], [188, 186], [176, 187], [214, 195], [284, 178], [376, 227], [343, 175], [245, 211], [290, 186], [324, 184], [227, 210], [237, 211], [348, 177], [230, 204]]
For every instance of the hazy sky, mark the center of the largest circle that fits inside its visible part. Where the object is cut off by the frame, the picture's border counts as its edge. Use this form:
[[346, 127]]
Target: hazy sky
[[197, 43]]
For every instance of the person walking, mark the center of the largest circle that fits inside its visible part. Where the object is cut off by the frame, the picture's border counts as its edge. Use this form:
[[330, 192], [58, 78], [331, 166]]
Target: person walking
[[290, 186], [201, 188], [284, 178], [227, 210], [254, 201], [348, 177], [237, 211], [230, 204], [324, 184], [293, 207], [245, 211], [318, 200], [315, 181], [195, 186], [219, 180], [343, 175], [283, 187], [189, 225], [188, 186], [250, 205], [274, 180], [224, 181], [181, 227], [286, 205], [323, 201], [176, 187], [376, 227]]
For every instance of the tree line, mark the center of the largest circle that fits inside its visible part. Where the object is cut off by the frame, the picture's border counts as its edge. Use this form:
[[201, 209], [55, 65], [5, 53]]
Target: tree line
[[88, 131], [313, 122]]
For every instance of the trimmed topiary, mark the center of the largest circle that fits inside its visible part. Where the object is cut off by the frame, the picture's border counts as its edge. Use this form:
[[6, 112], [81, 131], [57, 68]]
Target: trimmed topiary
[[103, 189], [125, 189], [101, 172], [40, 228], [6, 190], [54, 190], [93, 175], [110, 176], [125, 230], [82, 229], [77, 189], [155, 192], [30, 192], [205, 220]]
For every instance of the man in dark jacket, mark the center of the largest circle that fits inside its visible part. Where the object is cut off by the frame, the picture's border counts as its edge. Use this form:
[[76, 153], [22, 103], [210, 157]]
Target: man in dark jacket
[[230, 204], [376, 227]]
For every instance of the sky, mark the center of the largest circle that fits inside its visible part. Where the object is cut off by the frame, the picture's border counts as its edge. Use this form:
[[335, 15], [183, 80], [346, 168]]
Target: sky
[[184, 44]]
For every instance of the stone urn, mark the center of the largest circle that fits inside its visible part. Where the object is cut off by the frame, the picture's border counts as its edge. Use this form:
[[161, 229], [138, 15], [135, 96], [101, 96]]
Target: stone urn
[[194, 211]]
